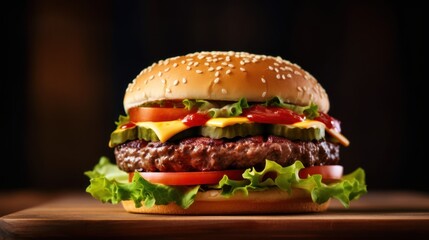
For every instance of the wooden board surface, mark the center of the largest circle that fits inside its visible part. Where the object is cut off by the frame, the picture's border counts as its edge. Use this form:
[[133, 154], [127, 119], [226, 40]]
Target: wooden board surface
[[383, 214]]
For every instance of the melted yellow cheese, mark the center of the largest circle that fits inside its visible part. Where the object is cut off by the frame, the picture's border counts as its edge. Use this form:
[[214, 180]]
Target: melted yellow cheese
[[223, 122], [165, 130], [309, 124]]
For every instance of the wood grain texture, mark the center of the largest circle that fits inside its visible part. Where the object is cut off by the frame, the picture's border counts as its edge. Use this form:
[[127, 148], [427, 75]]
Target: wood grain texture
[[77, 216]]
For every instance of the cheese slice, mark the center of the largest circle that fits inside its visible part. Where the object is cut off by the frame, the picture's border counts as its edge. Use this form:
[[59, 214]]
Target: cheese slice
[[165, 130], [223, 122], [309, 124]]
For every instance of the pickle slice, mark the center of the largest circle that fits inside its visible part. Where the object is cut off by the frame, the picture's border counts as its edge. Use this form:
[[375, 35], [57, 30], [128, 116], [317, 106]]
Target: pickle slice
[[296, 133], [120, 136], [236, 130], [147, 134]]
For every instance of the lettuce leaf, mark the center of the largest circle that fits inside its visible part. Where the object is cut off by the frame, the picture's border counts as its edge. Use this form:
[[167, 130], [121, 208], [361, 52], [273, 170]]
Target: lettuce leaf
[[310, 111], [214, 111], [109, 184], [351, 186]]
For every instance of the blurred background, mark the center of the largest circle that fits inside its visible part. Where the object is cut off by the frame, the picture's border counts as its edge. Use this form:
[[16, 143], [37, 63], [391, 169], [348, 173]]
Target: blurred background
[[67, 64]]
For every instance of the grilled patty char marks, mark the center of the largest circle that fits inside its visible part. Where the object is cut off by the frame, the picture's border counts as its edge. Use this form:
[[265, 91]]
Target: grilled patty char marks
[[206, 154]]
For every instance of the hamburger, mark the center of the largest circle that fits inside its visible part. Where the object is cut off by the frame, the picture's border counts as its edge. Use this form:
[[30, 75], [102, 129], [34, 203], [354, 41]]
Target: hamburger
[[225, 133]]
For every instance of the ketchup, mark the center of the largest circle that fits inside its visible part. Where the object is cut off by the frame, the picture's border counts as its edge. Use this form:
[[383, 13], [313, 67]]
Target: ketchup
[[329, 121], [272, 115], [195, 119]]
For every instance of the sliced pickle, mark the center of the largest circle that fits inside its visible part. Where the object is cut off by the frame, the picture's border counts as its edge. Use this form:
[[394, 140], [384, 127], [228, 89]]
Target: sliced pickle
[[147, 134], [297, 133], [236, 130], [120, 136]]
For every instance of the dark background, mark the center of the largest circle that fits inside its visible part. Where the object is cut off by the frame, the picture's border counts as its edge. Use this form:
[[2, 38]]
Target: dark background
[[66, 65]]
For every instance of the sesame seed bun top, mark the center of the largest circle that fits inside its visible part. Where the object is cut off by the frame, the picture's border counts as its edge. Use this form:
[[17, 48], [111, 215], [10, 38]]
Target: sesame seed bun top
[[226, 76]]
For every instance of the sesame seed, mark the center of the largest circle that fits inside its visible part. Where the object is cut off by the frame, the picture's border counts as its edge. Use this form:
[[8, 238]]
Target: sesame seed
[[184, 80], [242, 62], [159, 74], [175, 82], [264, 93], [207, 64], [278, 76], [288, 68], [216, 80], [218, 68], [299, 88], [231, 65], [163, 81], [271, 68], [263, 80], [167, 69], [224, 91], [211, 69], [198, 71], [188, 68], [183, 62], [175, 65], [168, 90], [190, 63], [283, 76], [224, 64], [242, 69], [196, 64], [151, 77], [228, 71], [297, 73], [217, 74], [289, 75], [276, 69], [276, 64]]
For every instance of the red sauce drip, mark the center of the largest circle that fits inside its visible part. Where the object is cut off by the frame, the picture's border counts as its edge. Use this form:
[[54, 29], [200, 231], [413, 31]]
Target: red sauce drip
[[195, 119], [329, 121], [272, 115]]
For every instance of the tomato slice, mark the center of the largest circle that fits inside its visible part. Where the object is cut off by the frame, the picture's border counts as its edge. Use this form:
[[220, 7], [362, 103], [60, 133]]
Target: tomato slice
[[189, 178], [330, 173], [157, 114], [272, 115]]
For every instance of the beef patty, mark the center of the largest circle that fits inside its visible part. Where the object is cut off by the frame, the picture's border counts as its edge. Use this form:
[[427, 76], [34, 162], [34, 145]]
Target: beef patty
[[206, 154]]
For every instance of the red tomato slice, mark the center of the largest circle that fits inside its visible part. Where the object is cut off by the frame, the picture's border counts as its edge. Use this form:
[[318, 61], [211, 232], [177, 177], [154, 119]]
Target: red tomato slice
[[272, 115], [189, 178], [330, 173], [157, 114]]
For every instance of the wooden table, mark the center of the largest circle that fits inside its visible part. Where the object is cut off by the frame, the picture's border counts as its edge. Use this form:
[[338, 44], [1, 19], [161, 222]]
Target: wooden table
[[389, 215]]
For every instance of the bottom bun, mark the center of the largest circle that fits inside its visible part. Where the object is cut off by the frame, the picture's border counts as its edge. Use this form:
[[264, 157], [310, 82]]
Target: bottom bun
[[212, 202]]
